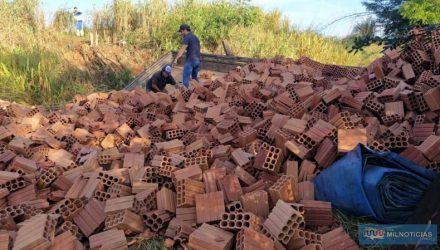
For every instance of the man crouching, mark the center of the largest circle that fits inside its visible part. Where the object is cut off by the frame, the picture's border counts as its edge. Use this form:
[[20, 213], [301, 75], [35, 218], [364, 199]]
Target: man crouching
[[160, 79]]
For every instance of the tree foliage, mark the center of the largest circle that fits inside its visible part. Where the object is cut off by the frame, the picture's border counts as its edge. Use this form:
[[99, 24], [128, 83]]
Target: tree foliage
[[424, 12], [366, 28], [214, 20], [390, 25], [394, 18], [388, 17]]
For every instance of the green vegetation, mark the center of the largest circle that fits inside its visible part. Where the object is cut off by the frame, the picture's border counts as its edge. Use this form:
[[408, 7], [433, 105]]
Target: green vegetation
[[385, 17], [394, 18], [351, 225], [36, 76], [249, 30], [31, 71], [40, 65], [149, 244], [423, 12]]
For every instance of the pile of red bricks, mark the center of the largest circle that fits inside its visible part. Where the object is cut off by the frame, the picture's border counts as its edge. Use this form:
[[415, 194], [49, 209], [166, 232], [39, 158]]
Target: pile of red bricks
[[229, 163]]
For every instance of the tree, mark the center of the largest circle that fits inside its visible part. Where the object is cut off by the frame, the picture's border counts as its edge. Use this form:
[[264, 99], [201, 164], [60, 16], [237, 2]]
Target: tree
[[367, 28], [388, 17], [394, 18], [388, 21], [421, 12], [363, 34]]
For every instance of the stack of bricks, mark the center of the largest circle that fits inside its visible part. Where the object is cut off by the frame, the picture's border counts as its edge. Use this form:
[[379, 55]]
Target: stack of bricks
[[71, 227], [37, 232], [188, 215], [66, 240], [249, 239], [69, 208], [209, 206], [256, 202], [317, 213], [89, 218], [210, 237], [110, 239], [272, 158], [238, 151], [156, 220], [146, 200], [283, 189], [283, 221], [187, 190], [126, 220], [234, 206], [239, 220], [430, 148], [303, 239]]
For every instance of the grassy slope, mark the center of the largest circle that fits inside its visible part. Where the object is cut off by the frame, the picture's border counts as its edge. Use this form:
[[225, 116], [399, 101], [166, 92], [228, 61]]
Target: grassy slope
[[54, 73]]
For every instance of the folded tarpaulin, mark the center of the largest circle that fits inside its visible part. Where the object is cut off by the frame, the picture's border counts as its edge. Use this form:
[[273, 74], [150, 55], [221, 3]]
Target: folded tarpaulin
[[384, 186]]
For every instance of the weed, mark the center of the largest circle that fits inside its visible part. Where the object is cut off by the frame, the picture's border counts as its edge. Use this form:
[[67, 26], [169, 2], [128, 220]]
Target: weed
[[149, 244]]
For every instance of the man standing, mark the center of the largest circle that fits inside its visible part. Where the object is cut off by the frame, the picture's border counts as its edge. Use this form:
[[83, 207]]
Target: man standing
[[161, 78], [192, 46], [79, 25]]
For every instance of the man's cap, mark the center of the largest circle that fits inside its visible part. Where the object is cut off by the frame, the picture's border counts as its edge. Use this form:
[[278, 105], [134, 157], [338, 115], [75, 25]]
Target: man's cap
[[167, 69], [184, 27]]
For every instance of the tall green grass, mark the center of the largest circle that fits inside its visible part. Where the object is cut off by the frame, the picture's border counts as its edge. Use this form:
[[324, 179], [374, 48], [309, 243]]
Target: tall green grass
[[250, 31], [33, 67], [32, 70], [38, 76], [19, 23]]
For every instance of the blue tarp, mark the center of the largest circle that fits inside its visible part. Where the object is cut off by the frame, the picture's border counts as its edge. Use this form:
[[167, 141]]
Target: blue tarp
[[383, 186]]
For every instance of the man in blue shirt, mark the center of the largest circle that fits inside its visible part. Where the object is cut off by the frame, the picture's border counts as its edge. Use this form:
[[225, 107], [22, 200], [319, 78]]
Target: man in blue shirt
[[191, 45], [79, 25]]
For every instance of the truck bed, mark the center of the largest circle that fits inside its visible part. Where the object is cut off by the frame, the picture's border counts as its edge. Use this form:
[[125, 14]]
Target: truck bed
[[216, 65]]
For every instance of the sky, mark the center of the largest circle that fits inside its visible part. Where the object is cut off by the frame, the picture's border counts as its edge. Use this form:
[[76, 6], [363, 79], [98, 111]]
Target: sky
[[303, 14], [317, 14]]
